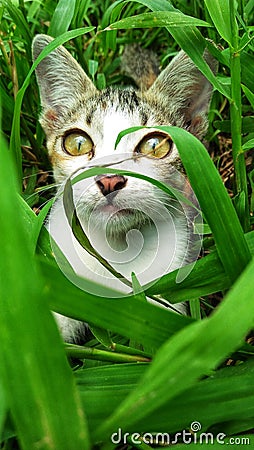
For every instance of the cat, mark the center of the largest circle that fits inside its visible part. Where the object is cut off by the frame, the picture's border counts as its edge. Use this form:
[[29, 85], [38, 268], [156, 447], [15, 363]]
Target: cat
[[130, 222]]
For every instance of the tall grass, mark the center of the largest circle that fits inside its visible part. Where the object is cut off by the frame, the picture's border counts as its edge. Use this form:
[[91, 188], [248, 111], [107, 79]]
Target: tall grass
[[153, 371]]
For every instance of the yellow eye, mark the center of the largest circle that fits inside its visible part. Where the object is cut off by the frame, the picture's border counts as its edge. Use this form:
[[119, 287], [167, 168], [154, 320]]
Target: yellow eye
[[78, 143], [155, 146]]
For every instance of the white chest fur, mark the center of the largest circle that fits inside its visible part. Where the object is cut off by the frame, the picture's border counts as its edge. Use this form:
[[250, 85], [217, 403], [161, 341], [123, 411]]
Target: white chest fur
[[149, 252]]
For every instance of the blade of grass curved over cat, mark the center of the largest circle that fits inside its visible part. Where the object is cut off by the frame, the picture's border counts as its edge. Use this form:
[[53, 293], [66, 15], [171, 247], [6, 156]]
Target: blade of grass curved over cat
[[75, 224], [213, 198], [80, 234], [15, 143]]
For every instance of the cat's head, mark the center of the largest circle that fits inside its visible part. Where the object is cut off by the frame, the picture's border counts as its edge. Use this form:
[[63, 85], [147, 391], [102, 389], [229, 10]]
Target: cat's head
[[82, 125]]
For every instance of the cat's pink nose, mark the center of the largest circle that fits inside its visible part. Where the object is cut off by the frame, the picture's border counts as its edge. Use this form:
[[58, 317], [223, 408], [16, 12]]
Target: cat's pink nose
[[110, 183]]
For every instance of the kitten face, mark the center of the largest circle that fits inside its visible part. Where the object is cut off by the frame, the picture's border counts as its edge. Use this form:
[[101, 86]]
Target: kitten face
[[82, 126], [88, 139]]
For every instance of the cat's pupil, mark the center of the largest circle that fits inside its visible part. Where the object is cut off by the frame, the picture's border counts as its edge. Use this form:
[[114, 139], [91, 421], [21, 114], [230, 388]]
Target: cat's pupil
[[80, 141], [76, 144], [155, 142], [155, 146]]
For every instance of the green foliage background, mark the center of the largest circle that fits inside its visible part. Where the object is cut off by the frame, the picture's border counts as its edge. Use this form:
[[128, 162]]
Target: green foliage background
[[154, 371]]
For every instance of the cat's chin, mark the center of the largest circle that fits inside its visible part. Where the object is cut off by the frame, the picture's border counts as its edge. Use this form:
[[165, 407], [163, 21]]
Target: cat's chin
[[111, 216], [113, 220], [113, 210]]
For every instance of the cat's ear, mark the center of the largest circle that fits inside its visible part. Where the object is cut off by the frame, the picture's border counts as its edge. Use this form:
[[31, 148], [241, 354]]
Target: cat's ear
[[183, 89], [62, 82]]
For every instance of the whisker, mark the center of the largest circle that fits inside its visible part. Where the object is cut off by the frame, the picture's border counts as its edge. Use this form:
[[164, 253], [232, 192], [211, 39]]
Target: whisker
[[40, 190], [43, 204], [47, 187], [37, 174]]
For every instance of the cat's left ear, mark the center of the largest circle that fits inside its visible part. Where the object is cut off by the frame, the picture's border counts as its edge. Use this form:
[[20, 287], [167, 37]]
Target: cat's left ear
[[185, 92], [62, 81]]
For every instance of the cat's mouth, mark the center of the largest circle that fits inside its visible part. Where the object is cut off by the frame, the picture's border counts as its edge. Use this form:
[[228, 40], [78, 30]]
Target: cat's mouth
[[113, 210], [116, 219]]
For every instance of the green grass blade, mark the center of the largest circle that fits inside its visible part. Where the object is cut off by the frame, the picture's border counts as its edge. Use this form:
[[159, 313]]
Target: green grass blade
[[248, 145], [220, 15], [62, 17], [102, 336], [200, 347], [38, 381], [128, 316], [206, 277], [3, 407], [33, 223], [137, 289], [85, 352], [80, 234], [226, 396], [225, 125], [157, 5], [157, 19], [193, 43], [214, 201], [247, 61], [195, 308], [104, 388], [249, 94]]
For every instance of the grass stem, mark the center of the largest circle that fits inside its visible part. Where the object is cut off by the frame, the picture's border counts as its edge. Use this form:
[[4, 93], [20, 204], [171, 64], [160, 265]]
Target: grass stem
[[241, 191], [76, 351]]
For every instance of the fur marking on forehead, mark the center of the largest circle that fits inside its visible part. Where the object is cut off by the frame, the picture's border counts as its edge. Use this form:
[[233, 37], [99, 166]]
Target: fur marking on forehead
[[124, 101]]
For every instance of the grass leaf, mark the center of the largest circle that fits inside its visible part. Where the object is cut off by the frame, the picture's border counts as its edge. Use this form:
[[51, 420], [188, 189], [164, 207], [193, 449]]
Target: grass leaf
[[3, 407], [157, 19], [220, 15], [213, 198], [225, 396], [62, 17], [166, 377], [214, 201], [128, 316], [29, 355]]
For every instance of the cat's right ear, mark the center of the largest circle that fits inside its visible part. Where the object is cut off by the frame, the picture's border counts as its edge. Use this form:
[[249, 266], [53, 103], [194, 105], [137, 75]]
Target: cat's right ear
[[62, 82]]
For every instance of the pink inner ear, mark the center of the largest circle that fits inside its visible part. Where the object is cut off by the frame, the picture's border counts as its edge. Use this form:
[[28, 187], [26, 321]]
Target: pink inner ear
[[198, 126], [51, 115], [196, 122]]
